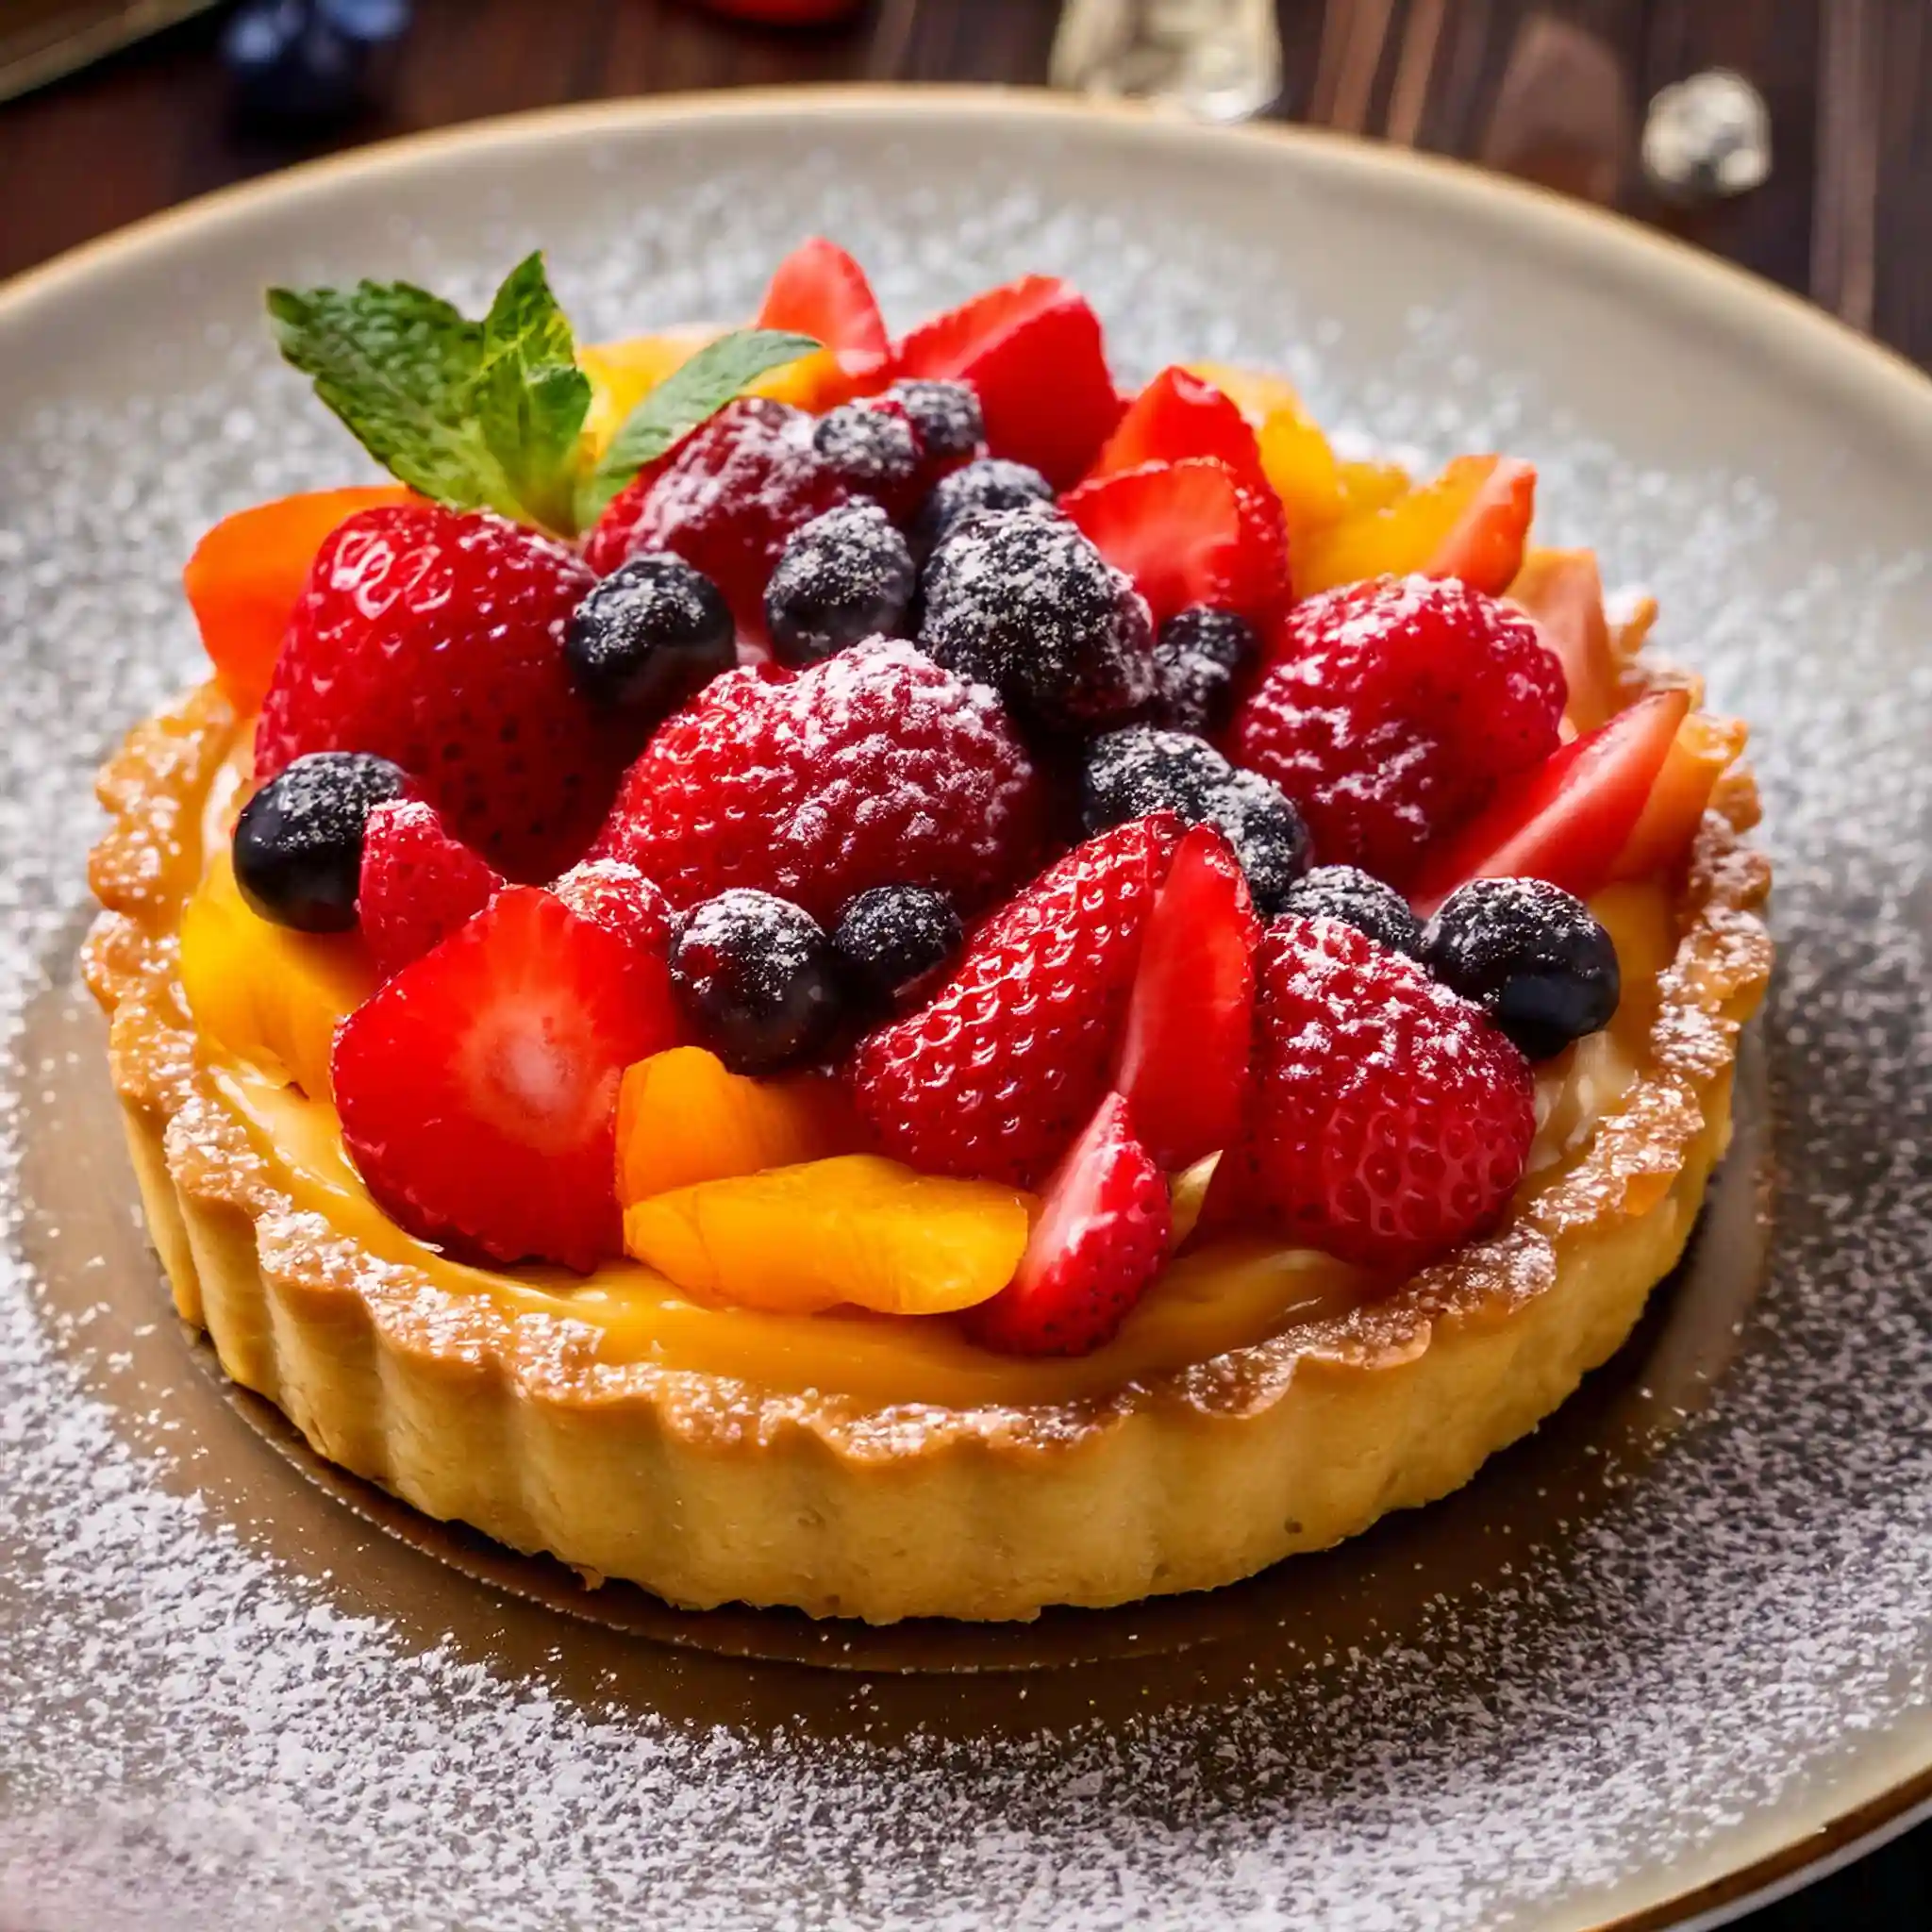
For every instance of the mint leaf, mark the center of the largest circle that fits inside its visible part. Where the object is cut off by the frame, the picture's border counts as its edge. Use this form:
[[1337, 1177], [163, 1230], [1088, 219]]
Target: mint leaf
[[529, 397], [690, 394]]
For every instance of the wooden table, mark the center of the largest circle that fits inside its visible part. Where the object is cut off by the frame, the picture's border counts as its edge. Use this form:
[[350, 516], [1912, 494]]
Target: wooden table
[[1552, 88]]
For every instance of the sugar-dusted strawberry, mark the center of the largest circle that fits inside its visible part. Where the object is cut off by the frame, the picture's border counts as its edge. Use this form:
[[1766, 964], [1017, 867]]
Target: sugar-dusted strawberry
[[997, 1073], [1101, 1237], [1387, 1119], [873, 767], [436, 640], [478, 1087], [420, 882], [819, 290], [1034, 352], [1392, 712], [1184, 1058], [620, 898], [1187, 533], [1177, 416], [724, 500]]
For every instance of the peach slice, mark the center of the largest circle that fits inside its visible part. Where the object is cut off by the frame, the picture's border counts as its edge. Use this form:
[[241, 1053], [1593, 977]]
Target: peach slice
[[1470, 522], [1564, 591], [684, 1117], [857, 1229], [1703, 749]]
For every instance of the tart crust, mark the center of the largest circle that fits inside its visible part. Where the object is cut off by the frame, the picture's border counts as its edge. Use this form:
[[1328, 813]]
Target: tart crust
[[708, 1490]]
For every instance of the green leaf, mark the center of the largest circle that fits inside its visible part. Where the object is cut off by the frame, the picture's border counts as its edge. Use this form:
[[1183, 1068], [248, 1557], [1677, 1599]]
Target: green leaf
[[530, 397], [690, 394]]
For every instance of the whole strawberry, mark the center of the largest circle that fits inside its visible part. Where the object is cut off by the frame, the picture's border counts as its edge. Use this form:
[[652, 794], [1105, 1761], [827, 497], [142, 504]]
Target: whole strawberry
[[873, 767], [436, 640], [419, 884], [1392, 710], [1387, 1119], [1005, 1064]]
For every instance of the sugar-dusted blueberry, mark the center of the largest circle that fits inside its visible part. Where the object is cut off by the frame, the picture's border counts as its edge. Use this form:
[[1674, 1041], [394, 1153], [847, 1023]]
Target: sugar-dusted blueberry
[[1348, 893], [1531, 955], [842, 577], [893, 940], [947, 416], [298, 844], [991, 483], [874, 446], [652, 634], [1198, 658], [757, 979]]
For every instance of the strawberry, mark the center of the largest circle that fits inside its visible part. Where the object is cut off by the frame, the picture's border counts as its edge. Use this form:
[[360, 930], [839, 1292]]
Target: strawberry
[[478, 1087], [875, 767], [436, 640], [819, 290], [1101, 1237], [419, 884], [1184, 1061], [1387, 1119], [1392, 710], [1034, 352], [1568, 819], [1188, 533], [1177, 416], [1005, 1064], [620, 898]]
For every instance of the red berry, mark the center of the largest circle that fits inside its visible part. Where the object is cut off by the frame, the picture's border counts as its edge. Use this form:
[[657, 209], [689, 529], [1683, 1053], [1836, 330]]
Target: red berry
[[1184, 1061], [478, 1087], [821, 291], [1392, 710], [1005, 1064], [1033, 351], [420, 883], [1177, 416], [873, 767], [620, 898], [436, 640], [724, 500], [1387, 1119], [1101, 1237]]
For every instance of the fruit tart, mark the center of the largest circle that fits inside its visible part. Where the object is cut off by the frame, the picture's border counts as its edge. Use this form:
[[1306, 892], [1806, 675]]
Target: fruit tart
[[861, 973]]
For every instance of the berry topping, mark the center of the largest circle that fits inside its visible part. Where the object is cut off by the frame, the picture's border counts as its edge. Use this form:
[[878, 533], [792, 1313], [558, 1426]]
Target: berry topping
[[893, 939], [756, 980], [420, 882], [649, 636], [951, 426], [1177, 416], [436, 640], [819, 290], [874, 768], [1393, 710], [987, 483], [1140, 768], [478, 1088], [1032, 352], [298, 843], [1198, 658], [873, 448], [1025, 603], [1005, 1064], [845, 576], [619, 898], [1387, 1119], [1184, 1061], [1348, 893], [726, 500], [1101, 1237], [1531, 956]]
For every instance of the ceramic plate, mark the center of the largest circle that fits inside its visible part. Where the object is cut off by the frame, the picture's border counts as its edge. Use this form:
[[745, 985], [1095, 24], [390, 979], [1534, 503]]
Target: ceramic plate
[[1673, 1650]]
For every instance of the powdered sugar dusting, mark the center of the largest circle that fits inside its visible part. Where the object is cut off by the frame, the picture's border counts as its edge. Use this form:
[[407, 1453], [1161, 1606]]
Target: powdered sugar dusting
[[201, 1729]]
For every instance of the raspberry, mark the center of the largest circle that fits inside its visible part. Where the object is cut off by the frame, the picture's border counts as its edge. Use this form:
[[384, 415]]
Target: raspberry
[[436, 640], [873, 767], [419, 884], [1391, 711], [1006, 1063], [1387, 1119]]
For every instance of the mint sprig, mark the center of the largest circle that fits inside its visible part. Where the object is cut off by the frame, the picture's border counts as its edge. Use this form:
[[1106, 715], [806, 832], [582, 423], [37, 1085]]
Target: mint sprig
[[529, 397]]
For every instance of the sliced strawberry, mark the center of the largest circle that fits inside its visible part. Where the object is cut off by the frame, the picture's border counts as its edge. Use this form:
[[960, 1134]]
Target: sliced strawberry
[[821, 291], [620, 898], [1100, 1240], [1034, 352], [1184, 1061], [420, 882], [1700, 753], [478, 1088], [1188, 533], [1176, 416], [1567, 819]]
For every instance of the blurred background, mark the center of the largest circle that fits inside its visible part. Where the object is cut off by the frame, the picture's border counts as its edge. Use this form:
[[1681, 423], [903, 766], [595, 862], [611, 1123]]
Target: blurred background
[[1794, 137]]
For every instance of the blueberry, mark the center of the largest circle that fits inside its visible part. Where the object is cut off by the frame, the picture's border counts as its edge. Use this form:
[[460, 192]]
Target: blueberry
[[1348, 893], [1025, 603], [893, 939], [991, 483], [1199, 655], [947, 416], [649, 636], [758, 979], [874, 450], [1531, 955], [843, 577], [1140, 769], [298, 844], [307, 60]]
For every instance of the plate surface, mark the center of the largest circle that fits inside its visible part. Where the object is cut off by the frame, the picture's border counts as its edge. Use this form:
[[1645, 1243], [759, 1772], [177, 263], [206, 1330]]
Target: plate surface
[[1674, 1647]]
